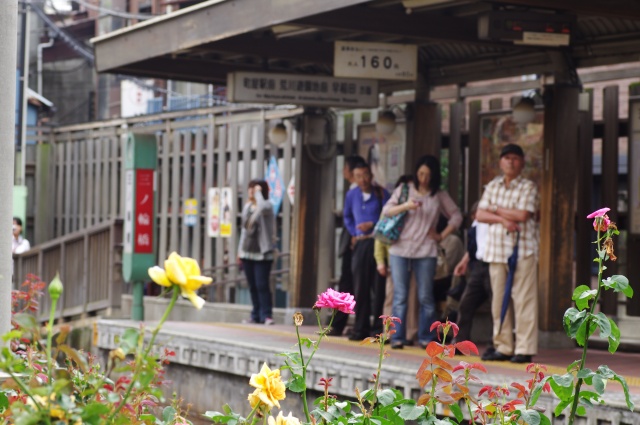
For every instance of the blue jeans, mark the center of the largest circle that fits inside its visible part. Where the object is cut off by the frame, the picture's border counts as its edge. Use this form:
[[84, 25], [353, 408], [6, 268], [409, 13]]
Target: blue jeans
[[424, 269], [257, 273]]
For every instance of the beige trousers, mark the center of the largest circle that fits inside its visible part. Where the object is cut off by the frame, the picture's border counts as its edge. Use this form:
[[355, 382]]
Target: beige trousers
[[522, 311], [412, 306]]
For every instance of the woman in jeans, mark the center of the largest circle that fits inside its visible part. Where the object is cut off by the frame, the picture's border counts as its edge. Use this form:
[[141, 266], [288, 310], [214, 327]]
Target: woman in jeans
[[256, 249], [417, 248]]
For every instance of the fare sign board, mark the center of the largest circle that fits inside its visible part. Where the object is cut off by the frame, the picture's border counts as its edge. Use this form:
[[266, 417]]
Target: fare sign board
[[310, 90], [384, 61]]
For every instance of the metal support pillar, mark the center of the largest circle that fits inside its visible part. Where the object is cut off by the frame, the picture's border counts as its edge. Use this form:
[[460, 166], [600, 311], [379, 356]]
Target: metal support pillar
[[313, 223], [557, 197], [8, 51]]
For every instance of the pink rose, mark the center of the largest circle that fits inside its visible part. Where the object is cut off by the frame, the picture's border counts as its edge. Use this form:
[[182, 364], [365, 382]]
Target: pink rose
[[342, 301], [601, 220]]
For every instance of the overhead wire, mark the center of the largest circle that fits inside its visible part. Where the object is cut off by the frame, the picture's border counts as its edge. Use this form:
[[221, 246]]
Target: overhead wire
[[112, 12]]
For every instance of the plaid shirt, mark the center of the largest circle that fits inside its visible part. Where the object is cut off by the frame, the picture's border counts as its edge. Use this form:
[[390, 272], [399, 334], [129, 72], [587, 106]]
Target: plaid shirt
[[521, 194]]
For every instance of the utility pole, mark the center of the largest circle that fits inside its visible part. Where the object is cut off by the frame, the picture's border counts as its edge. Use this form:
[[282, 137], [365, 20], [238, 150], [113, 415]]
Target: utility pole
[[8, 51]]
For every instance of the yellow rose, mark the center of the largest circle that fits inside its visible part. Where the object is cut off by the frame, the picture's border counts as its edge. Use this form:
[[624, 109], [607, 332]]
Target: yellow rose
[[184, 272], [269, 385], [254, 399], [283, 420]]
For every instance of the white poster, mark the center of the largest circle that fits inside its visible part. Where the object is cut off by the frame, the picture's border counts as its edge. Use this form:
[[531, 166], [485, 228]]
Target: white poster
[[128, 211], [213, 212], [226, 222]]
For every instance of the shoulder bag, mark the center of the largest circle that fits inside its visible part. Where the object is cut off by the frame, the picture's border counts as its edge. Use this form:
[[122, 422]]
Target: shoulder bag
[[388, 229]]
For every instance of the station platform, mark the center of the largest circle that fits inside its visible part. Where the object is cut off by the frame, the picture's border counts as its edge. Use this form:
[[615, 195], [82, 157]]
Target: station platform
[[240, 349]]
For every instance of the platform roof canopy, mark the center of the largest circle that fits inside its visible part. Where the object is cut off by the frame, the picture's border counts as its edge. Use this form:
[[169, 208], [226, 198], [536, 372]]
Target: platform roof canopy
[[204, 42]]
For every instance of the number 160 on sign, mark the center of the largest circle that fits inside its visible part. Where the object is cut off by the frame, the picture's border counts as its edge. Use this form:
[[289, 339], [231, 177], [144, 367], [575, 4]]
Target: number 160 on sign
[[385, 61]]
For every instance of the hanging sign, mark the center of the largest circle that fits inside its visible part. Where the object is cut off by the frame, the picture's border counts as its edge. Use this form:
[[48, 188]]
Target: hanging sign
[[226, 222], [276, 185], [384, 61], [258, 87], [213, 212], [190, 212]]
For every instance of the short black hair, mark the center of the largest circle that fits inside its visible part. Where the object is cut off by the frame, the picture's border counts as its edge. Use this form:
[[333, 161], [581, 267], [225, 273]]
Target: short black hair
[[363, 164], [352, 161], [263, 185], [433, 164], [18, 221]]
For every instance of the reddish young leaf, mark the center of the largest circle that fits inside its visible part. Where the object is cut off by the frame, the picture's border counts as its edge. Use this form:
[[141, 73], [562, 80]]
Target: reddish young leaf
[[467, 348], [434, 325], [478, 366], [425, 364], [443, 374], [424, 399], [433, 349], [443, 364], [521, 389], [425, 378]]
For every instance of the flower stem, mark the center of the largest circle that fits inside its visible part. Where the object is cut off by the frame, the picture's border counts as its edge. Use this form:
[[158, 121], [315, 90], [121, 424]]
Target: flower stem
[[304, 377], [382, 340], [576, 394], [138, 367], [52, 313]]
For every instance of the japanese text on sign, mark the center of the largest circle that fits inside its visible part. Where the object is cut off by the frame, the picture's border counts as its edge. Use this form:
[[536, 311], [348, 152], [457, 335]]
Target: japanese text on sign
[[301, 90], [143, 237], [385, 61]]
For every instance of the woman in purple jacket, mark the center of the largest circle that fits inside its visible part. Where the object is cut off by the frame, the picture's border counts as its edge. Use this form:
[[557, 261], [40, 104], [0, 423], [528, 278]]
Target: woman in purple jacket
[[417, 248]]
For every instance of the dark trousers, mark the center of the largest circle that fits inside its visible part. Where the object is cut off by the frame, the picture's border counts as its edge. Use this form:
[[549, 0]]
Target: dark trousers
[[257, 273], [477, 291], [369, 289], [344, 285]]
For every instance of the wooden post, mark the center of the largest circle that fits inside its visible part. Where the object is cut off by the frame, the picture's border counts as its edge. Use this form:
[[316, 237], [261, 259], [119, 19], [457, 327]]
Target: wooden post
[[584, 260], [456, 121], [313, 226], [473, 176], [633, 240], [557, 196], [610, 115], [424, 133]]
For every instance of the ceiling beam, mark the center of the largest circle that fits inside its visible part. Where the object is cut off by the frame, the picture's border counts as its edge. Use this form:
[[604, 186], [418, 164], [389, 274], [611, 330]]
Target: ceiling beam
[[273, 48], [203, 23], [623, 9], [395, 22]]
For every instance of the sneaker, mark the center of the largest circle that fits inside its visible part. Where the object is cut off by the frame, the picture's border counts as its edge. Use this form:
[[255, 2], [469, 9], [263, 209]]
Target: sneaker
[[521, 358], [268, 321], [250, 321]]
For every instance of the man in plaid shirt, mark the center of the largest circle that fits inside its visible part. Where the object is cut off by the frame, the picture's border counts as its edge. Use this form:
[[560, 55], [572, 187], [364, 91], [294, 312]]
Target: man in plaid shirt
[[509, 205]]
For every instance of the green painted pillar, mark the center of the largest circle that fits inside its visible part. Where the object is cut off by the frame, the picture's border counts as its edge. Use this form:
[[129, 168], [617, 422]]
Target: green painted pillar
[[141, 159]]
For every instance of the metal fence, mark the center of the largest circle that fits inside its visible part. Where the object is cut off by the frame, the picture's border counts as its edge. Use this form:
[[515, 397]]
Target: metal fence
[[79, 184], [89, 264]]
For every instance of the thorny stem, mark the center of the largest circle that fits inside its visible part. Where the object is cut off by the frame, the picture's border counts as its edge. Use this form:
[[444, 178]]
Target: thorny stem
[[466, 399], [136, 373], [304, 376], [576, 394]]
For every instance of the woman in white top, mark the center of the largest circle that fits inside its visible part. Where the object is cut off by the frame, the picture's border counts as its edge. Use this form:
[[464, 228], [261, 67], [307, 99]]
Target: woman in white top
[[19, 244], [417, 248]]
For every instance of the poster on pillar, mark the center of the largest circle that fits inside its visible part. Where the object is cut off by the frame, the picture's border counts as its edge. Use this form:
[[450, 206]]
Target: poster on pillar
[[498, 129], [383, 152]]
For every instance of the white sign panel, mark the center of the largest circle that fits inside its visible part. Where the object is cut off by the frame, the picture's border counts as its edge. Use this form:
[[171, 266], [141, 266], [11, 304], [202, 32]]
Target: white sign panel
[[384, 61], [134, 99], [634, 169], [544, 39], [258, 87], [128, 211]]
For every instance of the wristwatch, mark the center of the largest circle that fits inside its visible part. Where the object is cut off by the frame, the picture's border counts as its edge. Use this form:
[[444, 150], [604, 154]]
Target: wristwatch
[[493, 208]]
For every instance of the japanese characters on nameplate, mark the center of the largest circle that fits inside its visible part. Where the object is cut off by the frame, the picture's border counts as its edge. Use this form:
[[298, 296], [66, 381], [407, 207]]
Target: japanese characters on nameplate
[[384, 61]]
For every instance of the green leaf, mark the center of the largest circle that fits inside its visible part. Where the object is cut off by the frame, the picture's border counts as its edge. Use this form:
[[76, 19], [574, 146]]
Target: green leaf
[[168, 414], [537, 390], [306, 342], [618, 283], [457, 412], [544, 420], [602, 321], [562, 386], [530, 416], [614, 338], [561, 406], [582, 294], [582, 335], [386, 397], [26, 321], [294, 357], [296, 384], [410, 411], [598, 383], [581, 411], [14, 334], [585, 373], [129, 340], [625, 387], [78, 358], [94, 410], [4, 401], [573, 366], [573, 319]]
